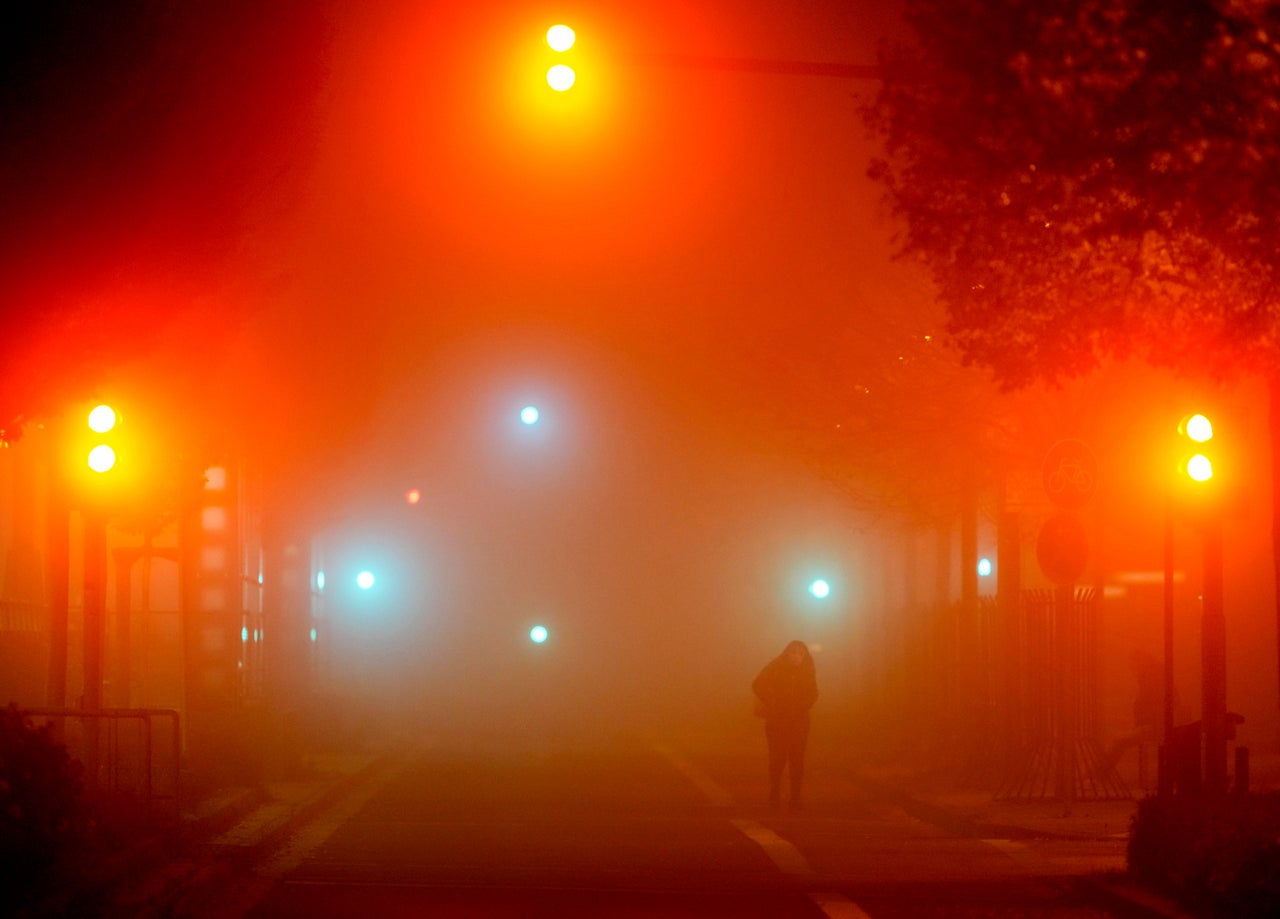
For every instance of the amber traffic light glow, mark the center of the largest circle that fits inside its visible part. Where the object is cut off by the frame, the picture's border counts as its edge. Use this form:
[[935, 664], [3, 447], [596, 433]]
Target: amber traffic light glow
[[1198, 429], [102, 456], [560, 76]]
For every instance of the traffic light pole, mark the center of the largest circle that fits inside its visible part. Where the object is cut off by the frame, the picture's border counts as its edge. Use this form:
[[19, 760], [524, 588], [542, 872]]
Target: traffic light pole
[[1213, 661], [1165, 779], [95, 614]]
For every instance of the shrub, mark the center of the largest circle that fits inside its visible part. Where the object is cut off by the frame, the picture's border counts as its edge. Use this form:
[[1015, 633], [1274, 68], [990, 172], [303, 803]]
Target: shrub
[[42, 807], [1218, 853]]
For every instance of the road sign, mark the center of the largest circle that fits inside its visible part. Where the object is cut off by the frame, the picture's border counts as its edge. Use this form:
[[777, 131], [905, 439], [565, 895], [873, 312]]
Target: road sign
[[1070, 474], [1063, 548]]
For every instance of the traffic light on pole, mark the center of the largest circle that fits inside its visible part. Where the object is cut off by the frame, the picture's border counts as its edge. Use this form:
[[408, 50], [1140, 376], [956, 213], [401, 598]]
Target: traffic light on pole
[[560, 76], [1196, 464], [101, 457]]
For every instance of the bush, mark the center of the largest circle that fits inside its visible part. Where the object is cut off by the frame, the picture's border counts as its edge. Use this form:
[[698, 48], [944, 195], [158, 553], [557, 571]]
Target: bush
[[1221, 854], [43, 815]]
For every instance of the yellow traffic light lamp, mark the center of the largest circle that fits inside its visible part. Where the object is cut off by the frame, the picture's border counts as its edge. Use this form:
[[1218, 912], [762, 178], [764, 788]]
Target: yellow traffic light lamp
[[102, 456], [1198, 429], [561, 77], [560, 37]]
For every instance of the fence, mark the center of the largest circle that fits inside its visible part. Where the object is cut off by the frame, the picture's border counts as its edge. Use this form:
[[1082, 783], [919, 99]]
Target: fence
[[125, 751]]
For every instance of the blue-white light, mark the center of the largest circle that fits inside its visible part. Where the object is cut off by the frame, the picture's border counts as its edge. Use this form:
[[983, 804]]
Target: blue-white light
[[820, 589], [984, 567], [529, 414], [364, 579], [538, 634]]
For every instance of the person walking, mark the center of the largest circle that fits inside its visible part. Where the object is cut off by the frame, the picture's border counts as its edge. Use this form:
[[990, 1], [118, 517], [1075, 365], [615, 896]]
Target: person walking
[[785, 690]]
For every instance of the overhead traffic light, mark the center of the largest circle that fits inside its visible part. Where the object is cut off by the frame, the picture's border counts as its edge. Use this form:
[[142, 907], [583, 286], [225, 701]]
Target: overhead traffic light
[[1196, 463], [101, 457], [561, 76]]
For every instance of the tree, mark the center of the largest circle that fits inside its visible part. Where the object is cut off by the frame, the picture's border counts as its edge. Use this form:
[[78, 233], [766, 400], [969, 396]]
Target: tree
[[1093, 178]]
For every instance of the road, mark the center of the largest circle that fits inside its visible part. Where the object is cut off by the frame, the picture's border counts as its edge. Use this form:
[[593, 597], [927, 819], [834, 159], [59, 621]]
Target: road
[[630, 827]]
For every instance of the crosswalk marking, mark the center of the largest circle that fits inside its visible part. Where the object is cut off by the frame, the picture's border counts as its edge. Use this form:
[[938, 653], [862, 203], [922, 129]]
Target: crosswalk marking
[[781, 852]]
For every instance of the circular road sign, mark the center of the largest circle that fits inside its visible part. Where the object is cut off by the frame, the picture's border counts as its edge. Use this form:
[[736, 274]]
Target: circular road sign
[[1063, 548], [1070, 474]]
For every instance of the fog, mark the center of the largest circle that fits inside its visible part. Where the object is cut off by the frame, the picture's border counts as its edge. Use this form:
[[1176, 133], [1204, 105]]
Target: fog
[[344, 249]]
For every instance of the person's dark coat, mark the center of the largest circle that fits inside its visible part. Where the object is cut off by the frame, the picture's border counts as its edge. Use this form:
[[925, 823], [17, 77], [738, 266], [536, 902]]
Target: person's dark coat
[[787, 688]]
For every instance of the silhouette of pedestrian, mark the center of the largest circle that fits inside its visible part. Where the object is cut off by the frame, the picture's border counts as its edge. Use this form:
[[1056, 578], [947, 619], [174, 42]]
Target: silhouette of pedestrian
[[1148, 714], [785, 691]]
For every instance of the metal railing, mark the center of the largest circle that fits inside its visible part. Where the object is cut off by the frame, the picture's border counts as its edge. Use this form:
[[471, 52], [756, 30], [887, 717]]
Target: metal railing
[[118, 760]]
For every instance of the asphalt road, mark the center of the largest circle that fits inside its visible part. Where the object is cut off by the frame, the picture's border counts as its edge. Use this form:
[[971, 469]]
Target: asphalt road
[[635, 828]]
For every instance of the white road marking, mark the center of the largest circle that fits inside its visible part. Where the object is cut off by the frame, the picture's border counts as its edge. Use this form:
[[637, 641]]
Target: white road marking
[[1019, 852], [314, 833], [309, 837], [781, 852], [709, 788]]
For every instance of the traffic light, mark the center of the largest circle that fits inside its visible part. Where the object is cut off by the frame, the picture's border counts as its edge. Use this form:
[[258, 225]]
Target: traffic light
[[101, 457], [560, 76], [1196, 464]]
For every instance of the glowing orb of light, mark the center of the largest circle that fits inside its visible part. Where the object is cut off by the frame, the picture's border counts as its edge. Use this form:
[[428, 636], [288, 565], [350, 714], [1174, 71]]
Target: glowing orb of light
[[529, 414], [413, 496], [820, 589], [364, 579], [560, 37], [102, 419], [538, 634], [1200, 468], [561, 77], [984, 567], [101, 458], [1199, 428]]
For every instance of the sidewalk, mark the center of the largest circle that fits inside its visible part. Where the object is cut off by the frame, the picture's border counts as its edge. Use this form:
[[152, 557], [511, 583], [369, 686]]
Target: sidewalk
[[215, 831], [245, 818], [967, 810]]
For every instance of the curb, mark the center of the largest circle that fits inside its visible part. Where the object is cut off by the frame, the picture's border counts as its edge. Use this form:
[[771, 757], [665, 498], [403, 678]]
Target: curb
[[1119, 894]]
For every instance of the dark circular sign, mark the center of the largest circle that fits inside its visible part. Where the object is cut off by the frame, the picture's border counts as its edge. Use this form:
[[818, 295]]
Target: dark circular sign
[[1063, 548], [1070, 474]]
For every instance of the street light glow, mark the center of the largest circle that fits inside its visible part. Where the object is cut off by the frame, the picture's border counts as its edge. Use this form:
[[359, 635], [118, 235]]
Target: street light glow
[[820, 589], [538, 634], [984, 567], [364, 579], [529, 414]]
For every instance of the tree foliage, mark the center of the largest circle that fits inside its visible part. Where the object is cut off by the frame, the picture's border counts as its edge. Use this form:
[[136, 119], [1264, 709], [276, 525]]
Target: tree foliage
[[1090, 178]]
